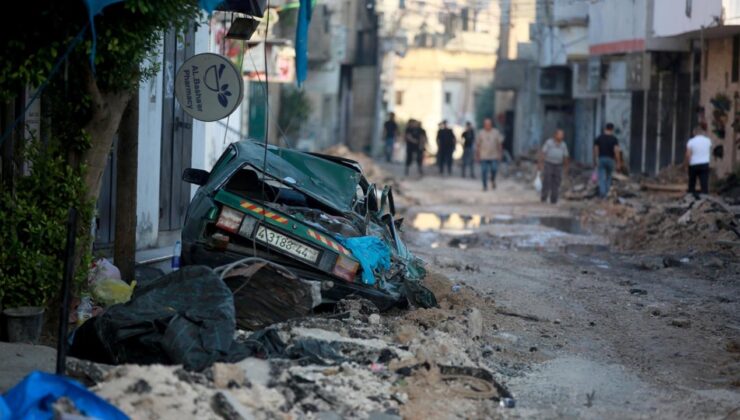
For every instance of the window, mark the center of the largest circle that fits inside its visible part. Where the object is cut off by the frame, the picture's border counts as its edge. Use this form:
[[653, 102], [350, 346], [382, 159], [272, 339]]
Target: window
[[399, 97], [735, 58], [448, 98]]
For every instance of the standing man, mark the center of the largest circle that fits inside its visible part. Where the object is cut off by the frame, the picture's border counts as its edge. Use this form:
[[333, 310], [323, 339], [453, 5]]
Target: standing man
[[606, 158], [698, 151], [445, 148], [468, 156], [390, 131], [489, 148], [553, 160], [414, 146]]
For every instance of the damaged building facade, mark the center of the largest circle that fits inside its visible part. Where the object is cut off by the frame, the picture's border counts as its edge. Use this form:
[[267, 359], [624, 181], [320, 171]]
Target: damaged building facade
[[653, 69]]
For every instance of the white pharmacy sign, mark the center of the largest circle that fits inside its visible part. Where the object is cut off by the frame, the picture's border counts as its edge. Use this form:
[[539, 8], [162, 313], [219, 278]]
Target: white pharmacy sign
[[209, 87]]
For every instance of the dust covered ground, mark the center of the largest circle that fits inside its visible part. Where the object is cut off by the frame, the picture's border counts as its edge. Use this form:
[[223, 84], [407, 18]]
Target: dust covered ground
[[623, 308], [582, 324]]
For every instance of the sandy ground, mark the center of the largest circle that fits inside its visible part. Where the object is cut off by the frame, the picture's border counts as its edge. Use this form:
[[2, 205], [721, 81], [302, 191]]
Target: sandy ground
[[579, 330]]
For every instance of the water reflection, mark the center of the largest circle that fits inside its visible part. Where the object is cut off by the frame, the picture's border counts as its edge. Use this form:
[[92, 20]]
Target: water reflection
[[464, 222]]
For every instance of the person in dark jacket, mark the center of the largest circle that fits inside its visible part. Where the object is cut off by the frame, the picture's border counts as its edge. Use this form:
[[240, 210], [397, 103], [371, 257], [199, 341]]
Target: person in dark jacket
[[415, 138], [468, 157], [445, 148]]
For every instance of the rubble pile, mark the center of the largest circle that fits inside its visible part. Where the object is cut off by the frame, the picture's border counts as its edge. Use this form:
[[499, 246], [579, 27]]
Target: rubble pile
[[347, 364], [694, 225], [374, 173], [672, 174]]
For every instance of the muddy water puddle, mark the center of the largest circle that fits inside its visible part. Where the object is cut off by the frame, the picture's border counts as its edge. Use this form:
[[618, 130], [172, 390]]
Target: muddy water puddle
[[457, 223]]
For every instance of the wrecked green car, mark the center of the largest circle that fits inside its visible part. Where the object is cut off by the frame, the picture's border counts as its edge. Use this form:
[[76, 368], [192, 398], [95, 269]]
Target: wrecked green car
[[315, 215]]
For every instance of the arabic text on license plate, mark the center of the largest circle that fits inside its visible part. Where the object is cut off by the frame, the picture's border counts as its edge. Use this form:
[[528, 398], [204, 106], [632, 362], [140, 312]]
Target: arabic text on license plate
[[287, 244]]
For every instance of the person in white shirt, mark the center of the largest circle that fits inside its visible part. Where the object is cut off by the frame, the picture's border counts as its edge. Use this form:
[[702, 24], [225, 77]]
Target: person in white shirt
[[698, 151]]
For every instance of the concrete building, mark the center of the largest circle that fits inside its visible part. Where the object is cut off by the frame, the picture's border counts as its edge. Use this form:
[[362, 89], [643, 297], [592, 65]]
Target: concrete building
[[436, 56], [169, 141], [343, 76], [711, 34], [608, 61], [515, 78]]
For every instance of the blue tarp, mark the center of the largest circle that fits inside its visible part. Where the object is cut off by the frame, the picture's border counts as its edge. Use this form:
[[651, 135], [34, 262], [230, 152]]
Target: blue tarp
[[301, 41], [33, 398], [372, 253]]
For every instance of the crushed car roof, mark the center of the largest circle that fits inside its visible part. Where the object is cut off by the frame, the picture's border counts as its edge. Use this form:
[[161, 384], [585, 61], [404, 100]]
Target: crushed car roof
[[333, 183]]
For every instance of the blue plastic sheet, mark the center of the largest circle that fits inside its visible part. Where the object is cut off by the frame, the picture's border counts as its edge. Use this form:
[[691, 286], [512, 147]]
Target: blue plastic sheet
[[301, 41], [33, 398], [372, 253], [209, 5]]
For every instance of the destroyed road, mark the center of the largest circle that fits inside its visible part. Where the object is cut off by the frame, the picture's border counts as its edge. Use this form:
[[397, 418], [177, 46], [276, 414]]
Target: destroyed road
[[578, 330]]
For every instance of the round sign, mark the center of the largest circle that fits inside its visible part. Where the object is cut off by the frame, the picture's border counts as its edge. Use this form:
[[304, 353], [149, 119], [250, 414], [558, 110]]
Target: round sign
[[209, 87]]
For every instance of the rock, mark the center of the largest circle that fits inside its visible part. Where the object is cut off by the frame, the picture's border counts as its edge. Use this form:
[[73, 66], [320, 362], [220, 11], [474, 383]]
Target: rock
[[226, 375], [475, 323], [373, 319], [650, 264], [225, 405], [671, 262], [140, 387], [681, 322], [257, 371], [685, 218], [714, 262]]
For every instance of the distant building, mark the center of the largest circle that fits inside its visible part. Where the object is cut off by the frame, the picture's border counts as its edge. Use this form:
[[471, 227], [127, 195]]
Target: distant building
[[437, 55]]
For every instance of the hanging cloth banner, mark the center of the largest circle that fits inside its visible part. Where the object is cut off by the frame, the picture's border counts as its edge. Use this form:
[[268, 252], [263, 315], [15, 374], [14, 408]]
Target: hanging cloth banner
[[301, 41]]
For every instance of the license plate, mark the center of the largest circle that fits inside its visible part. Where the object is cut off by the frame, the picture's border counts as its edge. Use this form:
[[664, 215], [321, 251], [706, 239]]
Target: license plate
[[287, 244]]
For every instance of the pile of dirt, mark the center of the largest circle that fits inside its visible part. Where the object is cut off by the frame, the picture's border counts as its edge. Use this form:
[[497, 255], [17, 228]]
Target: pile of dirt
[[729, 188], [673, 174], [685, 225], [354, 363], [372, 171], [375, 174]]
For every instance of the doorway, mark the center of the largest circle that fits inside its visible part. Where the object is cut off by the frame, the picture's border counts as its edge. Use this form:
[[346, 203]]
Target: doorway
[[177, 135]]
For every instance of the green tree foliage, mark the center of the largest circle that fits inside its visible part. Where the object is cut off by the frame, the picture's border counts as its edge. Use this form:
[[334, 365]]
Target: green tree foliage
[[81, 111], [484, 104], [32, 222], [295, 108]]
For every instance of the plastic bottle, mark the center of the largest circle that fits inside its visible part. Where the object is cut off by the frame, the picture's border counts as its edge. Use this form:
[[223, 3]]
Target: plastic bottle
[[456, 288], [176, 251], [84, 310]]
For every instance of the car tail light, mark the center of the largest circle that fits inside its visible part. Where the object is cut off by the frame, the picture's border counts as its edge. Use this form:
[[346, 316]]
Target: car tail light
[[346, 268], [229, 220]]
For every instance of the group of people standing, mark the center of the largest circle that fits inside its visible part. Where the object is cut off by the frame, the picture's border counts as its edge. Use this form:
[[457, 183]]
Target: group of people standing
[[485, 147]]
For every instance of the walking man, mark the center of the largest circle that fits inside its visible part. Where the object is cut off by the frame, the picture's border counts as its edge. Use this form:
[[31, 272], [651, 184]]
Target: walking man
[[606, 158], [445, 148], [553, 160], [698, 151], [468, 157], [414, 137], [489, 148]]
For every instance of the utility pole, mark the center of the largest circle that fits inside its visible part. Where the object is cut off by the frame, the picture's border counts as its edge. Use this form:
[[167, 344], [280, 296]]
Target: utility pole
[[124, 252]]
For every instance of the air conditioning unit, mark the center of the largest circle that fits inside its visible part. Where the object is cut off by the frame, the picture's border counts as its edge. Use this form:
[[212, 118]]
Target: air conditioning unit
[[554, 81]]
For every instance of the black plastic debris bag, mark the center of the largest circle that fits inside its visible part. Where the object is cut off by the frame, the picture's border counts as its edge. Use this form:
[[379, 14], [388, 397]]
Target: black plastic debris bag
[[185, 317]]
